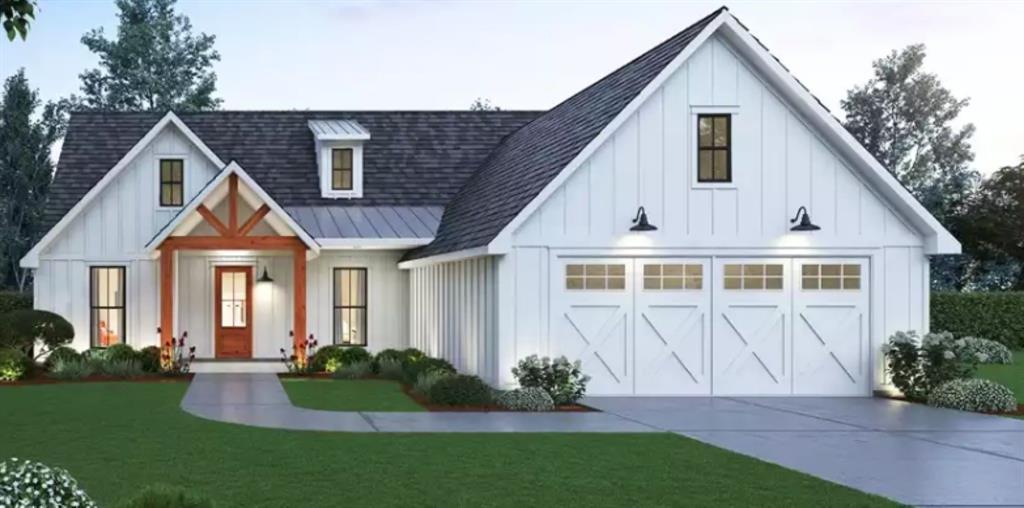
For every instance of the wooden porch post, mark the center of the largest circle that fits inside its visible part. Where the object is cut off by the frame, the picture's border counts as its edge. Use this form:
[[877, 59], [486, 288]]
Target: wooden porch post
[[166, 295], [299, 274]]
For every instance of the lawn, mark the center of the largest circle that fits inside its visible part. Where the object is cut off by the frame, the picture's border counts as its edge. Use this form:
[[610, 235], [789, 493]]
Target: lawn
[[353, 395], [117, 437], [1012, 376]]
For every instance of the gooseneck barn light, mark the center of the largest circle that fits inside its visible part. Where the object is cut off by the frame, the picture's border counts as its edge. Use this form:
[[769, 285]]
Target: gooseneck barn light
[[805, 221], [265, 277], [640, 222]]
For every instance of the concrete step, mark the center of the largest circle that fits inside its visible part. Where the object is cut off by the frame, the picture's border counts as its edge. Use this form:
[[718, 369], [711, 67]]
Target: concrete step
[[254, 366]]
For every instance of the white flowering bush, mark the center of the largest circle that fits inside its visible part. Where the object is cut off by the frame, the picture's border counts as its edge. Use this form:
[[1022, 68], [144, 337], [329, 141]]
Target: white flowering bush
[[27, 484], [979, 395], [918, 366], [526, 399], [987, 351]]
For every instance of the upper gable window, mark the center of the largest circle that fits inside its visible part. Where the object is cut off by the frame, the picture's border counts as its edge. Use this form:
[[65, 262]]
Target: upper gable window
[[339, 149], [341, 169], [172, 182], [714, 148]]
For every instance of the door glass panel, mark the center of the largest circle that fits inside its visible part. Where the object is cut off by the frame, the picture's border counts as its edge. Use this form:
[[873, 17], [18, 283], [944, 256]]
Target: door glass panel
[[233, 299], [831, 277]]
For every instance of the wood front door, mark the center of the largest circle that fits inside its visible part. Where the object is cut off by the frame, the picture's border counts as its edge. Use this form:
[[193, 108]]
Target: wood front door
[[232, 295]]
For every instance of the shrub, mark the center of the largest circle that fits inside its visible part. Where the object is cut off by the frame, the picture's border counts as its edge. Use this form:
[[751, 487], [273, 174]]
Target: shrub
[[996, 316], [389, 354], [412, 355], [95, 354], [526, 399], [390, 368], [121, 353], [564, 381], [13, 364], [62, 353], [327, 359], [72, 369], [354, 370], [461, 390], [149, 358], [427, 380], [121, 368], [412, 370], [979, 395], [21, 329], [919, 366], [24, 483], [13, 300], [987, 351], [163, 496]]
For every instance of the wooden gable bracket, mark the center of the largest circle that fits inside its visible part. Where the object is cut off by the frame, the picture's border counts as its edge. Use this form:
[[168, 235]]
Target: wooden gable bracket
[[232, 229]]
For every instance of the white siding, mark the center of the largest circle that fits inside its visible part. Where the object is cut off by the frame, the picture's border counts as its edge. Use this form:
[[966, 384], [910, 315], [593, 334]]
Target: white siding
[[453, 314]]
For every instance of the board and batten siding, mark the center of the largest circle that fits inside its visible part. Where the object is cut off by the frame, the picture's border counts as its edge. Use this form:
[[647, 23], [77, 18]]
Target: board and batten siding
[[453, 314]]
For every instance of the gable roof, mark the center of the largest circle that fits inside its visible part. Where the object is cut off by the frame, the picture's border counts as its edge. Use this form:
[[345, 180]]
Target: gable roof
[[527, 161]]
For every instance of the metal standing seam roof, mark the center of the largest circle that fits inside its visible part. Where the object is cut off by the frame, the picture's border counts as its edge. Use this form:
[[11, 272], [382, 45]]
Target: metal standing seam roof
[[338, 129], [368, 221]]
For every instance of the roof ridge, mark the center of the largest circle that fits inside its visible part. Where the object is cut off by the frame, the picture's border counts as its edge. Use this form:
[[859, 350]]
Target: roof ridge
[[308, 111]]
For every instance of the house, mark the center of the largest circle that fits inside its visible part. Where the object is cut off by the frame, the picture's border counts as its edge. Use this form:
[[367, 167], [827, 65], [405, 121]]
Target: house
[[694, 223]]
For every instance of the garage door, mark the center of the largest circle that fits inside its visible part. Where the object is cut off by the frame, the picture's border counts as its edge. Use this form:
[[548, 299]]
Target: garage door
[[735, 326]]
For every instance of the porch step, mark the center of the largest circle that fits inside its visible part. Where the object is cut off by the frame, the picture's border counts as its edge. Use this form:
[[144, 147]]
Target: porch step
[[255, 366]]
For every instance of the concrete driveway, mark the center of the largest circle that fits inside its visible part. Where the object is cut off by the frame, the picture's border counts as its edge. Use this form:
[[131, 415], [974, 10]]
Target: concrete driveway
[[910, 453]]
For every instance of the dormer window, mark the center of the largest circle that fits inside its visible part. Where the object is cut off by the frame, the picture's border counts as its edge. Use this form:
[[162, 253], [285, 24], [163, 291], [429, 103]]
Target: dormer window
[[339, 149]]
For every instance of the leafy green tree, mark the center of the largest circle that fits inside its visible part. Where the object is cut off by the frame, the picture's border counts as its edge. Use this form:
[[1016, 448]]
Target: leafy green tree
[[482, 104], [25, 171], [995, 233], [905, 118], [154, 64], [17, 15]]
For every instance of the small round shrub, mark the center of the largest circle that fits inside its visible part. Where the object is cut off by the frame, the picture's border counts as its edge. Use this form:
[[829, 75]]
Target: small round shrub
[[986, 351], [95, 353], [427, 380], [163, 496], [979, 395], [121, 353], [327, 359], [13, 364], [23, 328], [461, 390], [355, 354], [412, 355], [412, 369], [354, 370], [389, 354], [60, 354], [526, 399], [149, 359], [390, 368], [72, 369], [25, 483]]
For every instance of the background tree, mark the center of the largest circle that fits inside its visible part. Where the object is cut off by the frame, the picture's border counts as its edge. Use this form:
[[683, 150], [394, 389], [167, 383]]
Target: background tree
[[482, 104], [16, 16], [25, 172], [905, 118], [995, 234], [154, 64]]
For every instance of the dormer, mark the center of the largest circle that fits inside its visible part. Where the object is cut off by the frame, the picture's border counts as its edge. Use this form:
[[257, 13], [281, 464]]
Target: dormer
[[339, 157]]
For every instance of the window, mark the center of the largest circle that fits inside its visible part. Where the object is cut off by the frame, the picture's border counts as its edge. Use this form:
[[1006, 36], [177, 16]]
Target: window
[[846, 277], [106, 305], [595, 277], [234, 296], [350, 306], [341, 169], [668, 277], [714, 156], [172, 178], [753, 276]]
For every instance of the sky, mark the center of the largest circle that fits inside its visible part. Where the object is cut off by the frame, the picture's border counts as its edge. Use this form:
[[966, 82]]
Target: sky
[[364, 54]]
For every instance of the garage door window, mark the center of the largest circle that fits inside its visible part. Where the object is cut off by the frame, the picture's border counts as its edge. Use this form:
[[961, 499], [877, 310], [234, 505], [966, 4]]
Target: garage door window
[[753, 276], [595, 277], [674, 276], [831, 277]]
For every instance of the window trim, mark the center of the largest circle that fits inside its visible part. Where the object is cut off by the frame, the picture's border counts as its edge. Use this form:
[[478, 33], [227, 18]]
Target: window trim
[[365, 307], [93, 339], [160, 181], [325, 154], [713, 149]]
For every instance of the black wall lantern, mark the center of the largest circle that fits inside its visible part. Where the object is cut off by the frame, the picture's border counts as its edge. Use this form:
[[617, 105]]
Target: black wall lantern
[[805, 221], [265, 277], [640, 222]]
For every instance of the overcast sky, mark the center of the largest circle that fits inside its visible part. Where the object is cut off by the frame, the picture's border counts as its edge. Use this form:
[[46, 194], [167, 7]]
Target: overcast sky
[[531, 55]]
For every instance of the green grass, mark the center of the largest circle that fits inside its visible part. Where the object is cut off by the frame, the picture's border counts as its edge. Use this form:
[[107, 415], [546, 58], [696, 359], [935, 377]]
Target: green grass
[[116, 438], [349, 395], [1011, 376]]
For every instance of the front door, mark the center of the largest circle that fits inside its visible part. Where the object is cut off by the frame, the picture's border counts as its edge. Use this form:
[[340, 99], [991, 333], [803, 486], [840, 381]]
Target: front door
[[232, 296]]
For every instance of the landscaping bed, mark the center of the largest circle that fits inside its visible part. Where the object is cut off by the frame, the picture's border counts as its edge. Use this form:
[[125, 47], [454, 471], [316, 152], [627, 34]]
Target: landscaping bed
[[100, 378]]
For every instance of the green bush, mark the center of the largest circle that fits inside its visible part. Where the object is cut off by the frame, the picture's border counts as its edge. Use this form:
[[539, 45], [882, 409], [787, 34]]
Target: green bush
[[121, 353], [122, 368], [526, 399], [427, 380], [412, 355], [411, 370], [62, 353], [13, 300], [979, 395], [21, 329], [389, 354], [355, 354], [390, 368], [988, 351], [72, 369], [918, 366], [163, 496], [149, 358], [95, 353], [461, 390], [327, 359], [995, 316], [13, 364], [354, 370], [563, 380]]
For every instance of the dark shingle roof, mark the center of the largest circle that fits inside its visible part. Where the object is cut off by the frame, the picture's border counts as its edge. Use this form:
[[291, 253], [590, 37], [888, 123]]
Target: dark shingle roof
[[415, 158], [528, 160]]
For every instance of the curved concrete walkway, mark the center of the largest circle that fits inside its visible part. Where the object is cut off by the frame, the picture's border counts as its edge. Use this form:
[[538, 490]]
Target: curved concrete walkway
[[259, 400]]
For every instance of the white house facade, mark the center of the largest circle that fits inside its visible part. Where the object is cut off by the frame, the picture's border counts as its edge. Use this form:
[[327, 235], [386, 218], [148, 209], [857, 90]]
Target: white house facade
[[694, 223]]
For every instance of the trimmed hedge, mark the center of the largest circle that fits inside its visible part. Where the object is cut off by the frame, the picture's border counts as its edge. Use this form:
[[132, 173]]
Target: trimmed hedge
[[13, 300], [995, 316]]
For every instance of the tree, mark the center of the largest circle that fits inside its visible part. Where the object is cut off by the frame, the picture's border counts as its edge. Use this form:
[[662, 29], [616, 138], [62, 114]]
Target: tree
[[17, 15], [155, 64], [25, 170], [996, 230], [904, 117], [481, 104]]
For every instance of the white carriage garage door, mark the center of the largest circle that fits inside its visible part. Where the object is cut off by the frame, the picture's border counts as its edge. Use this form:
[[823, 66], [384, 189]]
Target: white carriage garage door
[[728, 326]]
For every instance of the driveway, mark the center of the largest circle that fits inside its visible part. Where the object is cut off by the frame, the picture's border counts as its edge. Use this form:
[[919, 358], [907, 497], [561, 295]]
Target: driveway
[[910, 453]]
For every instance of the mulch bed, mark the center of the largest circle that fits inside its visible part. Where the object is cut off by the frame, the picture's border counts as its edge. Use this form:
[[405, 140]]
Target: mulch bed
[[44, 380], [314, 375]]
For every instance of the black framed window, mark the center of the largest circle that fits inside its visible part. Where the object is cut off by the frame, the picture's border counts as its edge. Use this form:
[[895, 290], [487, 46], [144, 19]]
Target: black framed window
[[341, 169], [107, 306], [714, 148], [350, 306], [172, 182]]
